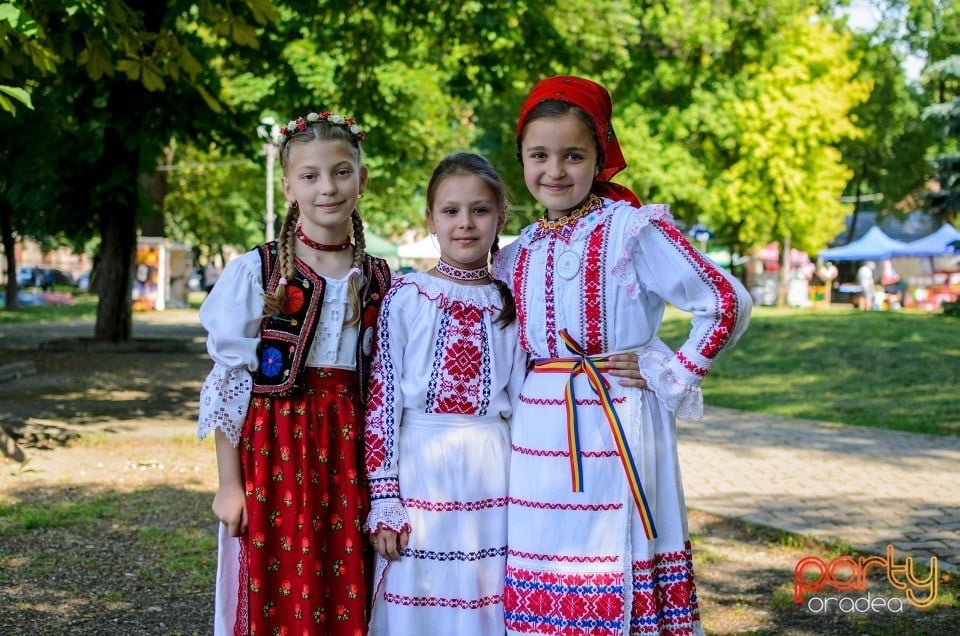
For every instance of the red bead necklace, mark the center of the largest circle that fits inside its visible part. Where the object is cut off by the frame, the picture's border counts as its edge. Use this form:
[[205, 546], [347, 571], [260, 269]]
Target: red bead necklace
[[323, 247]]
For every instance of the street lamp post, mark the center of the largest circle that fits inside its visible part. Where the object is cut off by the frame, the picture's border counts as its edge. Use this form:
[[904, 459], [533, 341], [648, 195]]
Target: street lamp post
[[268, 131]]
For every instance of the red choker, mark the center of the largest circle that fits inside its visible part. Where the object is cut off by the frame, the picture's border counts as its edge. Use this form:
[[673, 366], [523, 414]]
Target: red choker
[[323, 247]]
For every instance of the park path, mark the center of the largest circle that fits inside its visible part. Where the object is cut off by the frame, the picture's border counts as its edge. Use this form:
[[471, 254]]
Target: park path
[[868, 487]]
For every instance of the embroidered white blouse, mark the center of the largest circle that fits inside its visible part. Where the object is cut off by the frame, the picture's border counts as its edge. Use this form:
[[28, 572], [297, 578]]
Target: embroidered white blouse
[[607, 278], [438, 352], [232, 314]]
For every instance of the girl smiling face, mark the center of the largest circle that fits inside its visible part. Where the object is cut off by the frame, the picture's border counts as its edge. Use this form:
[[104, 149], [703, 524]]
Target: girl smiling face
[[466, 217], [325, 179], [560, 159]]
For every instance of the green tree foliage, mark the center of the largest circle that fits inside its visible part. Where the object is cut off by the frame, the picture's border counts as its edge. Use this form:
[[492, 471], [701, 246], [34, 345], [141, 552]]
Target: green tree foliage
[[216, 199], [22, 44], [136, 72], [790, 112], [933, 31], [734, 112], [888, 157], [944, 76]]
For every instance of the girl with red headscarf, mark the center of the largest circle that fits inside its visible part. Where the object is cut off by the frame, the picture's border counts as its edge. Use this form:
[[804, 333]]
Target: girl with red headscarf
[[597, 532]]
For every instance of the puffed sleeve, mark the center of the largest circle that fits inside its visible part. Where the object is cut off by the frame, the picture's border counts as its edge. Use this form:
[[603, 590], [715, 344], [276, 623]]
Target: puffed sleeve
[[658, 259], [231, 314], [383, 413]]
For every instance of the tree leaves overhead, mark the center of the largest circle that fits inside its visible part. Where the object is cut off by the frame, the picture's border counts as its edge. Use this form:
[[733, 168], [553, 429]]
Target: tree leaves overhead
[[733, 111]]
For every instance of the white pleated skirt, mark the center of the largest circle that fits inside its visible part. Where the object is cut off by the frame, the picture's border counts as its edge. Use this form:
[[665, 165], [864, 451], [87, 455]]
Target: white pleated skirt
[[453, 482]]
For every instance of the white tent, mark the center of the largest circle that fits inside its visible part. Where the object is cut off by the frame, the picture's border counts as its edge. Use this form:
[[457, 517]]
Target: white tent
[[936, 244], [424, 248], [874, 245]]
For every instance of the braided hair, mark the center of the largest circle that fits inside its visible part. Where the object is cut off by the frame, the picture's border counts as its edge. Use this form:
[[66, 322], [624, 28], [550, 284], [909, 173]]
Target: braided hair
[[469, 163], [322, 127]]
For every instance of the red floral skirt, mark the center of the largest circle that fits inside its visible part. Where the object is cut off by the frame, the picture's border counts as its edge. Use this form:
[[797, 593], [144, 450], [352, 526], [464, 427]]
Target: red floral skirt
[[303, 566]]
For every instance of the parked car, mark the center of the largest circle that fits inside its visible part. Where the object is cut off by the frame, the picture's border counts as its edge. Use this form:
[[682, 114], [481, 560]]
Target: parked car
[[43, 277]]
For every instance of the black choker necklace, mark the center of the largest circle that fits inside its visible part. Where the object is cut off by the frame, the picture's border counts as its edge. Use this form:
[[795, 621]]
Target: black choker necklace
[[323, 247], [457, 273]]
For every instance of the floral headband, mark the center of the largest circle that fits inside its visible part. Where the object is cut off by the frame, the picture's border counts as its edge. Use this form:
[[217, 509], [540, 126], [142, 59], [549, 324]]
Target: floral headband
[[300, 124]]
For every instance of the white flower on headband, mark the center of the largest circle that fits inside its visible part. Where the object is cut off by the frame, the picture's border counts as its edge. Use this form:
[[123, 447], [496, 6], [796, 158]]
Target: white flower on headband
[[300, 124]]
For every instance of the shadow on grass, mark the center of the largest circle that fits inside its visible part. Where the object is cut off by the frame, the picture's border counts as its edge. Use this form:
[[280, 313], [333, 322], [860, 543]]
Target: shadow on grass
[[97, 388], [77, 561]]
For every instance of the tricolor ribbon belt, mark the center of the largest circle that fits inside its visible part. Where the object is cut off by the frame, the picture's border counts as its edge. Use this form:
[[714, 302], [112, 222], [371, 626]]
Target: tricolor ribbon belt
[[582, 363]]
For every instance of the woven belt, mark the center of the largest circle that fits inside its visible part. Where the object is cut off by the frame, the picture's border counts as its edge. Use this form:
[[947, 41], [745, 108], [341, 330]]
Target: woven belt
[[583, 363]]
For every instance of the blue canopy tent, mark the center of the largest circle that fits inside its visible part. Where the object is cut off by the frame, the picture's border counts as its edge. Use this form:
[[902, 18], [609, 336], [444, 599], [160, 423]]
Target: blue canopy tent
[[937, 244], [874, 245]]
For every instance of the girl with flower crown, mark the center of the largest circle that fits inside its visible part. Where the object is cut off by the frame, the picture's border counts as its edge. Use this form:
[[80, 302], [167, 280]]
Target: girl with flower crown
[[598, 541], [446, 372], [291, 330]]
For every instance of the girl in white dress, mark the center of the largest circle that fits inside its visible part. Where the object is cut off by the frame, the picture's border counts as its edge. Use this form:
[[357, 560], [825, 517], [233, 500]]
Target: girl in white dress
[[446, 372], [598, 540]]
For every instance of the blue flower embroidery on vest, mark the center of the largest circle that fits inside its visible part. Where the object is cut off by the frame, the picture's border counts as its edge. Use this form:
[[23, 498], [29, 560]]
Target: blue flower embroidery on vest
[[271, 361]]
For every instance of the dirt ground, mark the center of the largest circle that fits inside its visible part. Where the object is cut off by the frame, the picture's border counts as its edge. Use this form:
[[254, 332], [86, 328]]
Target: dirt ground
[[105, 525]]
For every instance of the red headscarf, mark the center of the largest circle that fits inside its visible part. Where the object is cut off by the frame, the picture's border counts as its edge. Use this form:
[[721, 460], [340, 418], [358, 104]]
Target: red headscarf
[[595, 101]]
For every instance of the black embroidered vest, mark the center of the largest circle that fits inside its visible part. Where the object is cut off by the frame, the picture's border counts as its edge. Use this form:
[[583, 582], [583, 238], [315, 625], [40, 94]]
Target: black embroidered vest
[[286, 338]]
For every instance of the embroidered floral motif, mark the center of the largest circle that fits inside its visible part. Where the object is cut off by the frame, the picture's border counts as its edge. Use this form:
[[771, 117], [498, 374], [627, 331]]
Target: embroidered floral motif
[[293, 300], [271, 361], [564, 226]]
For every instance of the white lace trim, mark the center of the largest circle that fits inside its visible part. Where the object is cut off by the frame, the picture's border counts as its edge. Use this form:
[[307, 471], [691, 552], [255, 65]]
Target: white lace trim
[[685, 400], [224, 400], [334, 344], [387, 514], [623, 269]]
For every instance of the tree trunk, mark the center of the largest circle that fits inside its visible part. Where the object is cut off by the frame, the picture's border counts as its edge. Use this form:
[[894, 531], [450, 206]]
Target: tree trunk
[[118, 232], [785, 270], [856, 207], [12, 303], [118, 239]]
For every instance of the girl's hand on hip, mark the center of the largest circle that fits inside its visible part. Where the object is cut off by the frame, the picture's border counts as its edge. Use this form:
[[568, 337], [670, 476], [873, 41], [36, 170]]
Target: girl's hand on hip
[[624, 366]]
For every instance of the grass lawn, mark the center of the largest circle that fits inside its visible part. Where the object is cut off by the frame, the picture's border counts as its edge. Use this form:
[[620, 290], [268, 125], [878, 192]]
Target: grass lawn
[[84, 307], [896, 370]]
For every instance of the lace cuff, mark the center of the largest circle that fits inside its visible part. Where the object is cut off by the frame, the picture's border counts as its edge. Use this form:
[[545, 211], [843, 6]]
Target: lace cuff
[[387, 514], [224, 400], [685, 400]]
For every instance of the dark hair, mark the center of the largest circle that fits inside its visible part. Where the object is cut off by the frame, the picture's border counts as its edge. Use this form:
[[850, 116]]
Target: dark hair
[[553, 108], [321, 130], [469, 163]]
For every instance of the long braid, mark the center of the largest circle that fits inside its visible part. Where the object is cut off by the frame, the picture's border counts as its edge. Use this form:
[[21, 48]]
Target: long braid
[[286, 244], [356, 273], [509, 312]]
